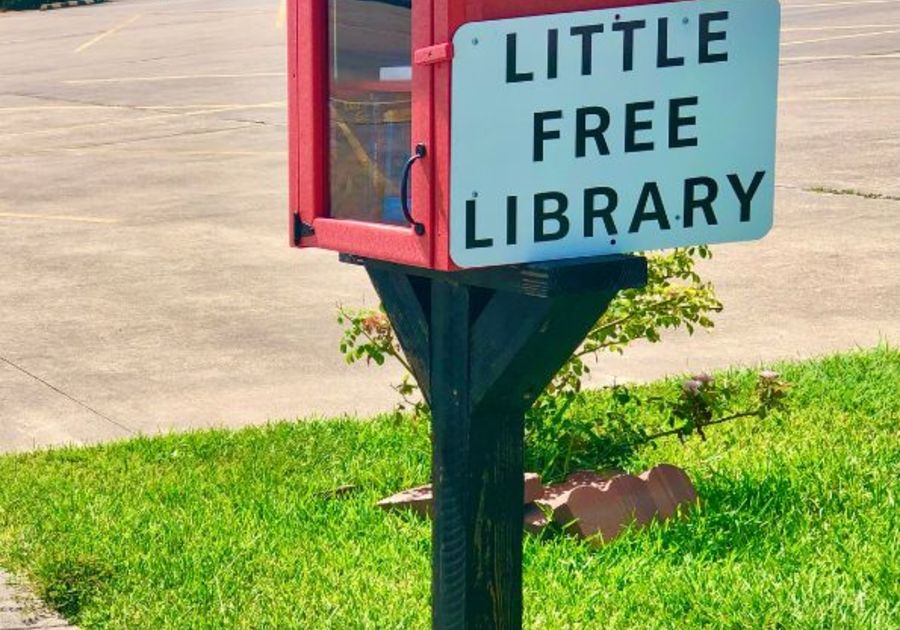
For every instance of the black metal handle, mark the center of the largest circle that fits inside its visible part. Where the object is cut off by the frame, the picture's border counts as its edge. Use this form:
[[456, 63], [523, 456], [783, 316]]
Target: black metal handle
[[404, 189]]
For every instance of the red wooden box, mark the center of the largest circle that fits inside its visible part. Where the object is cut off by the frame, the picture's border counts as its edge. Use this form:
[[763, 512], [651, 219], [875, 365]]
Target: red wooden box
[[351, 129]]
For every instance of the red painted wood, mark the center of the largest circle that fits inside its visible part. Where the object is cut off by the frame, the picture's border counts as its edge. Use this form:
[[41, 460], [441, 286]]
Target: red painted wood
[[433, 54], [422, 197], [433, 24], [307, 93], [293, 120], [373, 240], [462, 11]]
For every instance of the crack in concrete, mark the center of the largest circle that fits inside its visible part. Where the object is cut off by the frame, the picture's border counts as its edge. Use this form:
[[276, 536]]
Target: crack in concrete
[[59, 391], [196, 132], [850, 192]]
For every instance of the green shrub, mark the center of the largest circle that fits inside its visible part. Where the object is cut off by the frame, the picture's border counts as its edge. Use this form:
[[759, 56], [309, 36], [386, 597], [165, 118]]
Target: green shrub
[[20, 5], [557, 441]]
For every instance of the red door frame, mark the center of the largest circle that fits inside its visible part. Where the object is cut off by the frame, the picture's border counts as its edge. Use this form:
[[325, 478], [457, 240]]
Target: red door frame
[[308, 145], [434, 23]]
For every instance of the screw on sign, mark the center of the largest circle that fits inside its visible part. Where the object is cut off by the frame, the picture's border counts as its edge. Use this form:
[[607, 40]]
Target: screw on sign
[[491, 165], [613, 131]]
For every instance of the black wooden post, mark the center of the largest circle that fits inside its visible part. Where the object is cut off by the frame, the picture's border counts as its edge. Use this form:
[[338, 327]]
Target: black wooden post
[[483, 344]]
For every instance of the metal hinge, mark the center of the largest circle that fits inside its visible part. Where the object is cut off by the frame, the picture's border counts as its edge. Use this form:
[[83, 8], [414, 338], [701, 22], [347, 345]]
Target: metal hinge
[[302, 230]]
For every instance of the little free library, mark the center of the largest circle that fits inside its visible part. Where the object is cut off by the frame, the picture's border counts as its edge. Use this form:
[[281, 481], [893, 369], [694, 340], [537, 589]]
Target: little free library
[[493, 166]]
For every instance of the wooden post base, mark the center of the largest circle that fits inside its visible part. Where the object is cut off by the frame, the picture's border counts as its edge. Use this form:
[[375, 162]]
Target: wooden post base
[[483, 345]]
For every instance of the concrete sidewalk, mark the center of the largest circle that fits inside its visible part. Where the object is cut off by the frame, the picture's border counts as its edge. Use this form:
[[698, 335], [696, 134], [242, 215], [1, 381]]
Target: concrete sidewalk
[[20, 610], [146, 281]]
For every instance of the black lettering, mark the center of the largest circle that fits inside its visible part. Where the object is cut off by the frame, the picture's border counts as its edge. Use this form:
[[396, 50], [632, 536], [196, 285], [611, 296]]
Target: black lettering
[[587, 48], [691, 202], [633, 125], [473, 242], [582, 132], [542, 215], [662, 48], [552, 53], [541, 134], [707, 36], [628, 28], [512, 216], [591, 212], [677, 121], [745, 196], [649, 190], [512, 73]]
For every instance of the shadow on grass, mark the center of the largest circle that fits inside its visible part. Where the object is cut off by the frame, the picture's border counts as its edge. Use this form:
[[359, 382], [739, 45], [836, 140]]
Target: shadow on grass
[[557, 457], [68, 584], [736, 515]]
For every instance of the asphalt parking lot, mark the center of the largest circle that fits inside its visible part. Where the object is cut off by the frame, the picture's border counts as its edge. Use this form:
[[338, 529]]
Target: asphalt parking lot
[[145, 279]]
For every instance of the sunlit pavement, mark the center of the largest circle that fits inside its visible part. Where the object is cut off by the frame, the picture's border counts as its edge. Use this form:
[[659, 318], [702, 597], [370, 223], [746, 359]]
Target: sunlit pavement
[[145, 279]]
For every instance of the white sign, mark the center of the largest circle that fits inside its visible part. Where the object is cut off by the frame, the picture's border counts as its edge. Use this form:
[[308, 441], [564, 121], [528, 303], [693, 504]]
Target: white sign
[[597, 132]]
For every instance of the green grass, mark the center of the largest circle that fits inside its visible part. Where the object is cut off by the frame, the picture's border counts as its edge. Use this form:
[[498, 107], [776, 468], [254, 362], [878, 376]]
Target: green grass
[[798, 525]]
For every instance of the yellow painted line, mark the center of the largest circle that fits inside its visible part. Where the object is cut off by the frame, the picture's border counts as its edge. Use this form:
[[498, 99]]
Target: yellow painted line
[[167, 151], [268, 105], [841, 57], [795, 29], [208, 152], [833, 5], [129, 151], [282, 14], [226, 12], [168, 4], [174, 77], [105, 34], [837, 37], [130, 121], [55, 217], [805, 99], [51, 108]]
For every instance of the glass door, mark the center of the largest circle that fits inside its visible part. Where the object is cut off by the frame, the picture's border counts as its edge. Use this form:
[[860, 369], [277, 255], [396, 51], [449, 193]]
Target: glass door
[[369, 107]]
